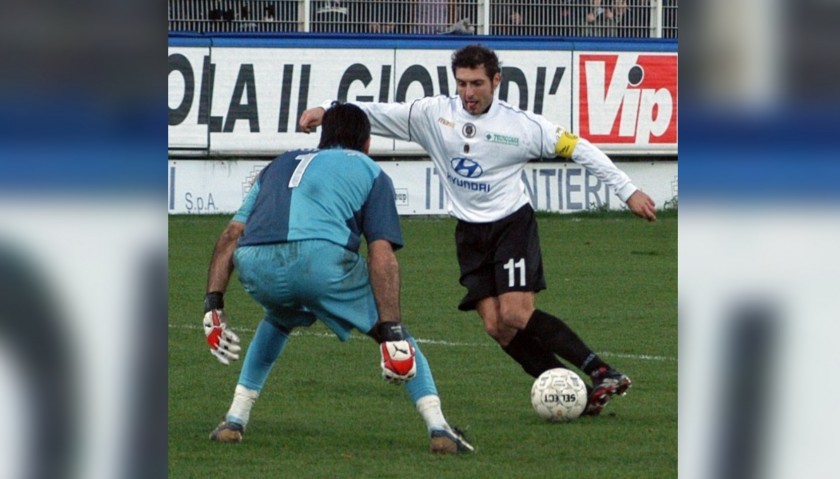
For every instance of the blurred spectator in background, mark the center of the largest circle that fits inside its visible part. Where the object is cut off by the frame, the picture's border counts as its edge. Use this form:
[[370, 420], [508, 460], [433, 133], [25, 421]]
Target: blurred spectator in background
[[568, 18], [431, 16], [619, 22], [597, 19], [220, 14], [508, 20], [269, 13], [461, 27], [515, 22], [461, 15], [248, 24], [215, 13], [572, 15]]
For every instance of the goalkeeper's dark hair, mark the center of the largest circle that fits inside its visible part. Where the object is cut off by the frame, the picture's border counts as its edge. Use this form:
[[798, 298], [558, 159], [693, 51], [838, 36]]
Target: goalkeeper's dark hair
[[475, 56], [344, 126]]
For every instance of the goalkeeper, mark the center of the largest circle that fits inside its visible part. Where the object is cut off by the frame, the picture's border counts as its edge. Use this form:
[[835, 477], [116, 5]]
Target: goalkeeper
[[479, 147], [294, 243]]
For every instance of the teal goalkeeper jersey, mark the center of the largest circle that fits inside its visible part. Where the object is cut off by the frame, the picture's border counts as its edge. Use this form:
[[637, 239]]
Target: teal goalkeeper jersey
[[335, 195]]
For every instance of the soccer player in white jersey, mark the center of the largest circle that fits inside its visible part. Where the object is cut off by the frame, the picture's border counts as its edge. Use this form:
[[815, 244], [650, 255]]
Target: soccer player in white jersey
[[295, 242], [480, 146]]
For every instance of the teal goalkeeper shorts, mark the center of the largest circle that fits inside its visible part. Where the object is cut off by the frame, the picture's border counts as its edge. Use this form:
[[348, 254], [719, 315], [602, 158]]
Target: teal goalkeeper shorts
[[303, 281]]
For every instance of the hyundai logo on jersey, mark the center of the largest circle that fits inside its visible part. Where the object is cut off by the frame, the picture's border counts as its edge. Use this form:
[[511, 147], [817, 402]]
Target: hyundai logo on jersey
[[466, 167]]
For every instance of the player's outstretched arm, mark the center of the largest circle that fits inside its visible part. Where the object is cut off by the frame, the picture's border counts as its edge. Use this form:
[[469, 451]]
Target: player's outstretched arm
[[642, 205], [384, 273], [224, 343], [221, 264], [397, 353], [591, 157], [311, 118]]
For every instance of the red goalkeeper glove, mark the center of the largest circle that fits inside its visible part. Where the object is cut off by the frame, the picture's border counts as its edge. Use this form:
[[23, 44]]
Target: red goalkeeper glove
[[224, 343], [398, 365]]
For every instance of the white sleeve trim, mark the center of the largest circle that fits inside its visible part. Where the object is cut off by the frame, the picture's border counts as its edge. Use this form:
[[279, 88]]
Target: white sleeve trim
[[626, 192], [599, 164]]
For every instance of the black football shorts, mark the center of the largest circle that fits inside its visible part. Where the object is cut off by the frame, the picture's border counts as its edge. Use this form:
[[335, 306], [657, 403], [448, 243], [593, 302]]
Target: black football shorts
[[499, 257]]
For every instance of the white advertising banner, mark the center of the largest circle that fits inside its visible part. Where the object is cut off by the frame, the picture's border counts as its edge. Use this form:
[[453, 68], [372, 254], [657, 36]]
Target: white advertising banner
[[212, 187], [187, 97], [246, 100]]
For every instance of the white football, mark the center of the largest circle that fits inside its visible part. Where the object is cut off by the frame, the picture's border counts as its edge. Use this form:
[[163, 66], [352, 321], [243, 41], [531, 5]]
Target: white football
[[559, 395]]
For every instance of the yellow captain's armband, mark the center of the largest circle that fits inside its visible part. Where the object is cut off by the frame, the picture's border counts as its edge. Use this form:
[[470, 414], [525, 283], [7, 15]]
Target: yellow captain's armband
[[566, 142]]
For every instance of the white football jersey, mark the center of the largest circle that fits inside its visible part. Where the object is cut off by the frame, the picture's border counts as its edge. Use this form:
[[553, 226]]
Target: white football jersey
[[481, 158]]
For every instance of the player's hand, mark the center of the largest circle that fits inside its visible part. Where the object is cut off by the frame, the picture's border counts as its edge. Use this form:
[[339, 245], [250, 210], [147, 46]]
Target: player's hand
[[398, 365], [642, 205], [311, 118], [224, 344]]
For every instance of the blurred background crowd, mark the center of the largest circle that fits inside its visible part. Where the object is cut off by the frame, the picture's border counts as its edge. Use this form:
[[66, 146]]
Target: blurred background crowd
[[588, 18]]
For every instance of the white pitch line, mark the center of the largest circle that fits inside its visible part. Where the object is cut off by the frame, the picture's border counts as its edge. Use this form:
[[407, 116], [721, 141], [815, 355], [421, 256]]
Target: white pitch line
[[643, 357], [437, 342], [299, 332]]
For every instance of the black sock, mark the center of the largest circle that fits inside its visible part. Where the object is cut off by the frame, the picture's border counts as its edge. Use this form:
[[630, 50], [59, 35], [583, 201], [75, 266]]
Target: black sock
[[531, 355], [558, 338]]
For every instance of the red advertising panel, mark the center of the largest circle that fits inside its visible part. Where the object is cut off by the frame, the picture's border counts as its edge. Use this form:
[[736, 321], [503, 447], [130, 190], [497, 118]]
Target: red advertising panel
[[628, 98]]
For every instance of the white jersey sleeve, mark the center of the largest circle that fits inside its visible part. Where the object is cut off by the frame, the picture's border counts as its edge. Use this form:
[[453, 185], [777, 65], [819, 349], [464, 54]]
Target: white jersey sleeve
[[556, 141], [598, 163], [390, 120], [393, 120], [543, 137]]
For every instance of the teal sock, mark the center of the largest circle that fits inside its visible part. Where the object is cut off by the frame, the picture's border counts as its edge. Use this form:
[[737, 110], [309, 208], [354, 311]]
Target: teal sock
[[423, 383], [267, 345]]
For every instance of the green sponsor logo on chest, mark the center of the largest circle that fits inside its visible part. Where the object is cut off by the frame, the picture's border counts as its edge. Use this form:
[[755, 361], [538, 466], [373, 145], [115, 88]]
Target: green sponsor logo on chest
[[503, 139]]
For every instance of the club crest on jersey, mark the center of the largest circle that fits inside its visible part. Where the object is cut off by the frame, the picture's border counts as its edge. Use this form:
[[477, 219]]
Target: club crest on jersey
[[468, 130], [466, 167]]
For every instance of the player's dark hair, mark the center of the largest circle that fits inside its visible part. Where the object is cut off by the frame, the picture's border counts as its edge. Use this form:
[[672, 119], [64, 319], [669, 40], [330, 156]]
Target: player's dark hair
[[475, 56], [344, 126]]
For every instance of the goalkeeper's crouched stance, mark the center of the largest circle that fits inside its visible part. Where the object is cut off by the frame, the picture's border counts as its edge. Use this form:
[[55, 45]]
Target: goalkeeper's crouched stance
[[295, 243], [401, 361]]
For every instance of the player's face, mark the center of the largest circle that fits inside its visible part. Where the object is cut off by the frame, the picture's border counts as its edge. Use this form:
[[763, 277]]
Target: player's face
[[476, 88]]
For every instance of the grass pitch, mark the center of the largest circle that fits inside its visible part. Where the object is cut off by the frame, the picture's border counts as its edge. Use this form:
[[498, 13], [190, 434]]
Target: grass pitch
[[325, 412]]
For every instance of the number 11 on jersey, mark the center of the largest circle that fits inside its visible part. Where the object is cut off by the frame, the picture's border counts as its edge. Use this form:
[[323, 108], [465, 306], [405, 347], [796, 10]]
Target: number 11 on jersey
[[511, 268]]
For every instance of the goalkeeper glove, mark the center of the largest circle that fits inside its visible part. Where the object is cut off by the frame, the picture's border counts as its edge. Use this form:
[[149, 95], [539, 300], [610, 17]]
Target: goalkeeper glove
[[224, 344], [398, 365]]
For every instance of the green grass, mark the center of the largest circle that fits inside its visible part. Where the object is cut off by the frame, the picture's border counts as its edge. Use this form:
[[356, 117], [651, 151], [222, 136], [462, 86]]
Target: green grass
[[325, 412]]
